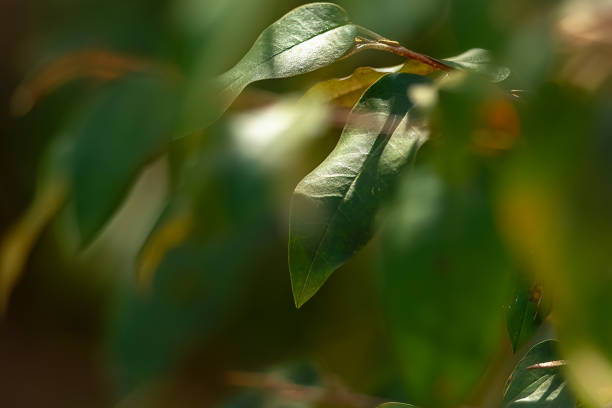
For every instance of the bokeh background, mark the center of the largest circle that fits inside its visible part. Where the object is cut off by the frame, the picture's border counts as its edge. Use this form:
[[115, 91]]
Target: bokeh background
[[200, 312]]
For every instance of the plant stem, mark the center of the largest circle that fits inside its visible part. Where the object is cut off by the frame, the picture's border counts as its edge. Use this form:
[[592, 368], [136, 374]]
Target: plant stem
[[335, 394], [397, 49]]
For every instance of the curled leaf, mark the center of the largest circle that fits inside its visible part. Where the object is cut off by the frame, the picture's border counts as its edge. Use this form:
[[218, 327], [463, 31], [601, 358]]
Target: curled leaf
[[345, 92]]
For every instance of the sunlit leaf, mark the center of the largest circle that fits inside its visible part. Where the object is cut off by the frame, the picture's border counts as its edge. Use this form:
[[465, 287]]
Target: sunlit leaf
[[444, 278], [395, 405], [345, 92], [117, 132], [333, 208], [538, 387], [305, 39]]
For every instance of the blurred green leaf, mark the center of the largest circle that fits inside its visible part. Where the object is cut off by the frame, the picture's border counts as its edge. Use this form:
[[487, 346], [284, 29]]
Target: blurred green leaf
[[479, 61], [538, 387], [333, 208], [395, 405], [121, 128], [555, 214], [444, 283], [194, 288], [50, 196], [526, 313]]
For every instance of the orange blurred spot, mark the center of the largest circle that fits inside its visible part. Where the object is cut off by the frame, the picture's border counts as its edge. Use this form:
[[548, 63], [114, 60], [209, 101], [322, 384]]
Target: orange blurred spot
[[500, 128]]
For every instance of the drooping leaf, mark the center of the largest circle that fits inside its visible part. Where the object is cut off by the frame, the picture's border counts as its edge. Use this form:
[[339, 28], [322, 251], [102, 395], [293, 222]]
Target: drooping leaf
[[538, 387], [333, 208], [443, 279], [479, 61], [526, 313], [345, 92], [305, 39], [117, 132]]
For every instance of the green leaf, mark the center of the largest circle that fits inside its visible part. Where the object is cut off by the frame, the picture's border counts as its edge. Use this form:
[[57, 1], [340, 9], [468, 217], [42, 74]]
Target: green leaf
[[117, 132], [479, 61], [193, 290], [346, 91], [395, 405], [444, 278], [526, 313], [305, 39], [333, 208], [538, 387]]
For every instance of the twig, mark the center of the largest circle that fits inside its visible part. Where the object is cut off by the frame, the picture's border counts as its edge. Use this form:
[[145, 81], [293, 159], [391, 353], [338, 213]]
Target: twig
[[334, 394], [548, 364], [395, 48]]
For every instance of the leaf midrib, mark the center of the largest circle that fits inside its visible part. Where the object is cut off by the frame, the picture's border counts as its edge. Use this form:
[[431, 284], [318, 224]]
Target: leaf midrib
[[242, 75], [333, 217]]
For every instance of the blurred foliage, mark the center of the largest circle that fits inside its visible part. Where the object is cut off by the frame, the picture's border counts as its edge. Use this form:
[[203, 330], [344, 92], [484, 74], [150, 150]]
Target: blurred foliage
[[144, 228]]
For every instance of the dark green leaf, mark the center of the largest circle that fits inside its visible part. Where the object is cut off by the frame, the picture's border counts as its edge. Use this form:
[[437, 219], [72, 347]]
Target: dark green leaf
[[117, 132], [538, 387], [333, 208], [525, 314]]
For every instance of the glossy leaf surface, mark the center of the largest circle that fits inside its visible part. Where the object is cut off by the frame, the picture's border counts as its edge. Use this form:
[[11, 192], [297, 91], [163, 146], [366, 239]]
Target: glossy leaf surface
[[333, 208], [538, 387], [305, 39]]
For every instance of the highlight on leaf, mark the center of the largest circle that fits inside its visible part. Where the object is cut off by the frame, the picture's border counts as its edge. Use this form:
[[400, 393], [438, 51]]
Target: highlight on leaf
[[345, 92], [536, 384], [333, 208]]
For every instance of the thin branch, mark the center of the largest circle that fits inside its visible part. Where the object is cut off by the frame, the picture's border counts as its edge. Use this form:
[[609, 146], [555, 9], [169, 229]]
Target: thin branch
[[395, 48], [548, 364], [334, 394]]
